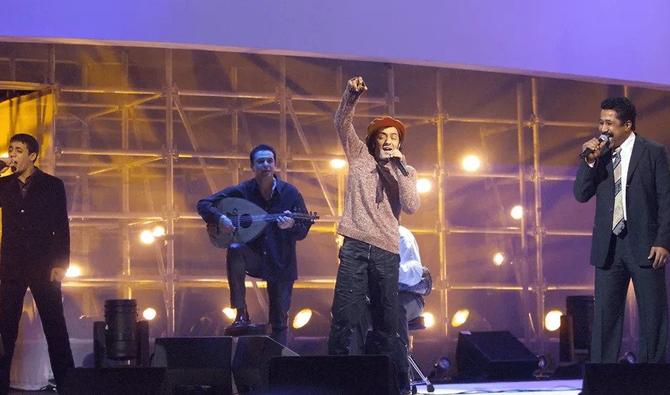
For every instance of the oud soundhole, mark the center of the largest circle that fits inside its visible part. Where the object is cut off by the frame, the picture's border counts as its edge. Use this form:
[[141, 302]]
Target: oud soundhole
[[245, 221]]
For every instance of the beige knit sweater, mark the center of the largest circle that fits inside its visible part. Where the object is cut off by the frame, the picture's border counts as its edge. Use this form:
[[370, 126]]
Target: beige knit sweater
[[364, 219]]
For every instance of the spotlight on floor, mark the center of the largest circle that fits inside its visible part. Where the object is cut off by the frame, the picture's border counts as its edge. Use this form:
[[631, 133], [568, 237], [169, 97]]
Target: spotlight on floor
[[149, 313], [440, 372], [552, 321], [428, 319], [302, 318], [460, 317], [229, 312], [629, 357], [73, 271]]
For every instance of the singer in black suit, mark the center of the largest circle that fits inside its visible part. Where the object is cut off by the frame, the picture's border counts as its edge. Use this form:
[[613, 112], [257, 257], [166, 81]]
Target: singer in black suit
[[35, 253], [631, 234]]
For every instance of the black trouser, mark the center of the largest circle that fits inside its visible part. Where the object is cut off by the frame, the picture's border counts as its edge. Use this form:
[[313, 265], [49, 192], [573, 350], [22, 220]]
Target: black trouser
[[366, 270], [242, 260], [611, 286], [49, 302]]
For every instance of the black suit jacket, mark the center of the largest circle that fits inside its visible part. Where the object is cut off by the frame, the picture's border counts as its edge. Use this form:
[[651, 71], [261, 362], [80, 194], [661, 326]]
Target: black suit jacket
[[35, 229], [647, 200]]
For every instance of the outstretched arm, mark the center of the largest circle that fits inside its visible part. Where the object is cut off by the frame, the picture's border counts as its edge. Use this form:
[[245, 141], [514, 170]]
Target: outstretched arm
[[352, 144]]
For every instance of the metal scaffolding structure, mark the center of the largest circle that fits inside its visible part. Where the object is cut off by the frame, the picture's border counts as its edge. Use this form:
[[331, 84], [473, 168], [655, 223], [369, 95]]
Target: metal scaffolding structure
[[86, 162]]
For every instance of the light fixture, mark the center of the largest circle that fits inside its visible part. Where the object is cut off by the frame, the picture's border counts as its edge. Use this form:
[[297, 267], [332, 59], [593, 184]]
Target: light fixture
[[471, 163], [73, 271], [149, 313], [552, 320], [498, 258], [424, 185], [428, 319], [338, 163], [302, 318], [516, 212], [158, 231], [460, 317], [147, 237], [229, 312]]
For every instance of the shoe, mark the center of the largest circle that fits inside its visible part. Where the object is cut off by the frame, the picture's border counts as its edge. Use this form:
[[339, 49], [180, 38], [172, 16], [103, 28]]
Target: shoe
[[242, 318]]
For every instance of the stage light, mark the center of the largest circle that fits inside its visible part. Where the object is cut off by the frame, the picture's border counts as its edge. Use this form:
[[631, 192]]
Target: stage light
[[516, 212], [440, 372], [498, 258], [460, 318], [629, 358], [428, 319], [73, 271], [147, 237], [338, 163], [149, 313], [302, 318], [424, 185], [471, 163], [552, 321], [229, 312], [158, 231]]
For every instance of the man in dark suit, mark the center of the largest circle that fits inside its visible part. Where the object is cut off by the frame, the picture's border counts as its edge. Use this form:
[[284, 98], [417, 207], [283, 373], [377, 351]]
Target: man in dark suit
[[631, 236], [35, 253]]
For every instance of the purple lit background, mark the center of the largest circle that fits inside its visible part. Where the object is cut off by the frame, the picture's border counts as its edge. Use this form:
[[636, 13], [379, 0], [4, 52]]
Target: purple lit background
[[618, 40]]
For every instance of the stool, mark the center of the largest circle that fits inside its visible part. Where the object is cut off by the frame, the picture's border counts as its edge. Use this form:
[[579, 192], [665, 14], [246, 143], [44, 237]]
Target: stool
[[415, 325]]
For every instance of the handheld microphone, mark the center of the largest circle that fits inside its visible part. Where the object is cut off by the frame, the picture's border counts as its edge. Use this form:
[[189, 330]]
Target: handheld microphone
[[400, 166], [604, 137]]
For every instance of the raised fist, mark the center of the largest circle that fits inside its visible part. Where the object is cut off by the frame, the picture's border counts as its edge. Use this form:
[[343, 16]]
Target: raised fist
[[357, 85]]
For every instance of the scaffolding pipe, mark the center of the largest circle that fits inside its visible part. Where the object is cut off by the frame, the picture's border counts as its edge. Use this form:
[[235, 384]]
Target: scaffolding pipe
[[441, 204], [169, 186], [539, 230]]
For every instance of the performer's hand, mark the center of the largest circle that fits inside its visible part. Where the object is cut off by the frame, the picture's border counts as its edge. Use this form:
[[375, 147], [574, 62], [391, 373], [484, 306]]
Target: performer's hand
[[57, 274], [658, 256], [284, 222], [357, 85], [596, 146], [5, 162], [394, 153], [225, 225]]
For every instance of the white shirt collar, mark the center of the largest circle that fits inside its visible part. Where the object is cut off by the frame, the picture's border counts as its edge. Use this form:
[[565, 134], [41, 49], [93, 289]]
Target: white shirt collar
[[627, 145]]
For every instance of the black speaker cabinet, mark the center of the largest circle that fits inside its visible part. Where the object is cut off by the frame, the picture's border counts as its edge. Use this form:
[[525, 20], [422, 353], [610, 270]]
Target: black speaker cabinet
[[251, 362], [197, 365], [623, 378], [332, 375], [496, 355]]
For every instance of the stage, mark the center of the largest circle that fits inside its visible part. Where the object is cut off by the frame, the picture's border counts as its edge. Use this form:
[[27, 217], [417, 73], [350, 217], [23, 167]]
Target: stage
[[553, 387]]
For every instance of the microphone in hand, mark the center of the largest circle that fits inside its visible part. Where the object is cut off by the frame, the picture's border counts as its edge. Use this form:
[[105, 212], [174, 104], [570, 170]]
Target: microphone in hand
[[603, 138], [400, 165]]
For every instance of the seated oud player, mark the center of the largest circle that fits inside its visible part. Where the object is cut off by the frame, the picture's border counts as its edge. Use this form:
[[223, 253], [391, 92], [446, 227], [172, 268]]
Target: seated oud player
[[272, 255]]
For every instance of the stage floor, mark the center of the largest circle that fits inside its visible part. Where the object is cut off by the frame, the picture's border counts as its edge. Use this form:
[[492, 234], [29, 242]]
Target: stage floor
[[545, 387]]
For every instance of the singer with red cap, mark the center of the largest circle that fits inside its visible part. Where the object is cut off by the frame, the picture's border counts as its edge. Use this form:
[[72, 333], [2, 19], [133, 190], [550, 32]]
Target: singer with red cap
[[380, 185]]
